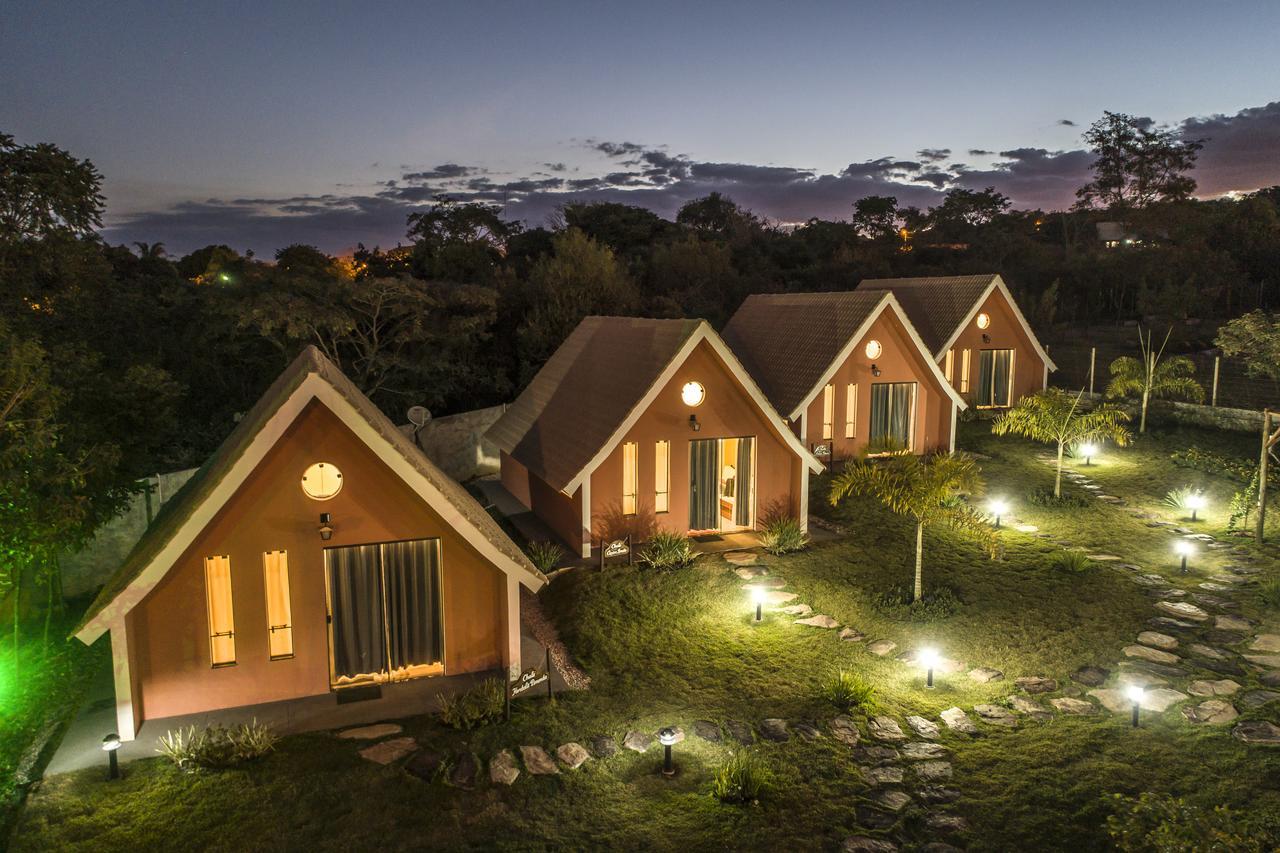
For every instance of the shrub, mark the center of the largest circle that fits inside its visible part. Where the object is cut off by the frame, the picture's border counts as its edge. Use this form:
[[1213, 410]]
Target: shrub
[[475, 707], [1241, 470], [1045, 498], [217, 746], [1158, 822], [742, 778], [847, 690], [1269, 592], [666, 550], [938, 603], [1072, 561], [782, 535], [545, 555]]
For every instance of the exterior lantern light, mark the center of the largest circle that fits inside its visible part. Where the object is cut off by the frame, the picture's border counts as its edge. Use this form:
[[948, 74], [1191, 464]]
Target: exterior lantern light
[[326, 526], [757, 598], [928, 660], [1184, 549], [693, 393], [110, 744], [875, 371], [1135, 694], [667, 737], [998, 507], [1196, 501], [1088, 450], [693, 423]]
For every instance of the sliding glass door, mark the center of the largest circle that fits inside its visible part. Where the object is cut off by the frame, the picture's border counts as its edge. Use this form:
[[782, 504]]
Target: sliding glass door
[[995, 378], [721, 483], [385, 611], [892, 416]]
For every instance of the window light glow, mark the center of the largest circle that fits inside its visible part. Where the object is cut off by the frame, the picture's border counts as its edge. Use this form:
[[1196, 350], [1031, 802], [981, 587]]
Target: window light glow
[[693, 393], [874, 349], [321, 481], [984, 320]]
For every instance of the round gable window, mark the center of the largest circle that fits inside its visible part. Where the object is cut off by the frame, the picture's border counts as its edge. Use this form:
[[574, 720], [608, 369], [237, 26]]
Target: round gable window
[[874, 349], [693, 393], [322, 481], [984, 320]]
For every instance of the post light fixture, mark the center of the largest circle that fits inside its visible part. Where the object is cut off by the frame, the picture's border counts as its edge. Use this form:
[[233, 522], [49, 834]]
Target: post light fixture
[[693, 423], [110, 744], [667, 737], [1184, 549], [1135, 693], [928, 659], [1196, 501], [1088, 450], [326, 526], [757, 598], [998, 507]]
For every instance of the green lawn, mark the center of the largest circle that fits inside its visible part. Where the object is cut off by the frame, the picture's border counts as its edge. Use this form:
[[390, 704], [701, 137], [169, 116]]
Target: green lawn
[[672, 647]]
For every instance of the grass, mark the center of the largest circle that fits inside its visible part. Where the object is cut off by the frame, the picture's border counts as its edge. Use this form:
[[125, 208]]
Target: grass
[[672, 647]]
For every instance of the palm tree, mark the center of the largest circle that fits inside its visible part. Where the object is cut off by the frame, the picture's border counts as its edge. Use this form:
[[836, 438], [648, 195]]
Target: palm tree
[[927, 490], [151, 250], [1053, 416], [1154, 376]]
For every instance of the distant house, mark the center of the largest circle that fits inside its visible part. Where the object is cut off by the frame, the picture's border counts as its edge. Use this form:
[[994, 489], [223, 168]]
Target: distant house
[[632, 418], [317, 549], [977, 334], [1114, 235], [848, 370]]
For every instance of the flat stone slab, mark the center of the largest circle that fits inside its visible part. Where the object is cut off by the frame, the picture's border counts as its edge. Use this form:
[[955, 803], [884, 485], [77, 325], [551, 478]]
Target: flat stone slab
[[502, 768], [775, 597], [1091, 676], [995, 715], [1157, 700], [378, 730], [748, 574], [1157, 640], [1258, 698], [1104, 558], [1266, 643], [933, 771], [741, 558], [1268, 661], [1025, 528], [881, 647], [707, 730], [1203, 651], [1165, 623], [425, 764], [845, 730], [1258, 732], [573, 755], [1077, 707], [1036, 684], [877, 754], [853, 635], [924, 728], [1182, 610], [389, 750], [946, 823], [604, 746], [775, 730], [1153, 655], [537, 762], [740, 731], [1211, 712], [892, 799], [922, 751], [1227, 622], [985, 674], [637, 741], [819, 621], [874, 818], [885, 728], [796, 610], [1030, 707], [937, 794], [464, 771], [764, 583], [866, 844], [1214, 587], [1220, 687], [958, 721], [887, 775], [808, 731]]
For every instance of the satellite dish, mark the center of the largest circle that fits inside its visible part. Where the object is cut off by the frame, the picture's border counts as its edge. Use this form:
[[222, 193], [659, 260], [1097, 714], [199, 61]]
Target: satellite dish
[[418, 416]]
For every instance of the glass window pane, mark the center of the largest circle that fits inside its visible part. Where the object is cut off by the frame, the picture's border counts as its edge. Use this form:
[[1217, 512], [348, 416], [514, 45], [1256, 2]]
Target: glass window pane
[[275, 571], [662, 476], [828, 411], [851, 411], [630, 476], [222, 629]]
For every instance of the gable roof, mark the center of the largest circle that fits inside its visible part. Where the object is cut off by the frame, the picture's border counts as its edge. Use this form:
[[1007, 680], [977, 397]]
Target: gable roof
[[793, 342], [309, 377], [941, 306], [594, 387]]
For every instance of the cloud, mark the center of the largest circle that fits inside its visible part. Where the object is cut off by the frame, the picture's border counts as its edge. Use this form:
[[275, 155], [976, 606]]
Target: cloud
[[1066, 122], [1241, 151], [980, 152], [1032, 177], [933, 155], [445, 171]]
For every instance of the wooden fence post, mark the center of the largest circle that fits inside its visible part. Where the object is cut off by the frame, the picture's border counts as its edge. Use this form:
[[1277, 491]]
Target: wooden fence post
[[1262, 476], [1093, 359], [1217, 359]]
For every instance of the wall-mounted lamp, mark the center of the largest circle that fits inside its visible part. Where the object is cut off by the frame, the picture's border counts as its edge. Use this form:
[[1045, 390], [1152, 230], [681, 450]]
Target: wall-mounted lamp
[[986, 339], [326, 528], [875, 371], [693, 423]]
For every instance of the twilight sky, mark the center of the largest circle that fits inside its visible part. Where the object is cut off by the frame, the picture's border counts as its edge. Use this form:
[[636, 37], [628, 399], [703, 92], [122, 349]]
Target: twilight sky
[[259, 124]]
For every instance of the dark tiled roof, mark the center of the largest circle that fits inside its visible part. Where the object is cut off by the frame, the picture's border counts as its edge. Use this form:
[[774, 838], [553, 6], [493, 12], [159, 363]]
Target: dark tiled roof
[[178, 509], [585, 391], [935, 306], [788, 340]]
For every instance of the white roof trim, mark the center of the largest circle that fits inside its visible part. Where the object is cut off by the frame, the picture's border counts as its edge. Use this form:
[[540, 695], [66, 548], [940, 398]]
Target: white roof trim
[[998, 282], [888, 301], [703, 332], [312, 387]]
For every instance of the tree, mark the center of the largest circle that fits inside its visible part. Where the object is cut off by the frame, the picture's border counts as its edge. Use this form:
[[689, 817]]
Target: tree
[[457, 241], [1153, 376], [925, 489], [964, 210], [43, 189], [716, 214], [1137, 165], [875, 218], [1053, 416], [1255, 339]]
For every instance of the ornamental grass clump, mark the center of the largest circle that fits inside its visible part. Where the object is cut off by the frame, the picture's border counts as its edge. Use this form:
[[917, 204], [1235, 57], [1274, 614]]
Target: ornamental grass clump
[[214, 747], [480, 705], [743, 778], [782, 535], [666, 550], [847, 690], [1074, 562], [545, 555]]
